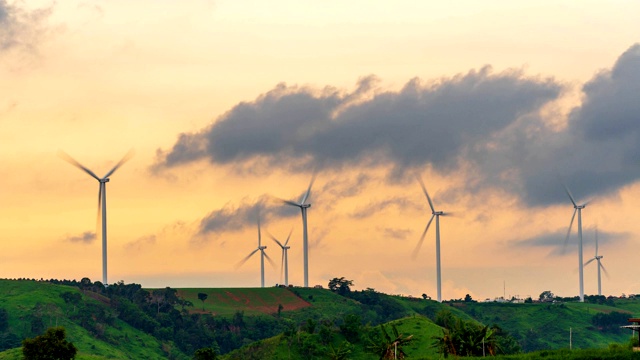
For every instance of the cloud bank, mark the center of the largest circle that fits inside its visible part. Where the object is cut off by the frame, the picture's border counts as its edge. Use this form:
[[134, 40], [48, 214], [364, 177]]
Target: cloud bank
[[86, 237], [21, 29], [490, 127]]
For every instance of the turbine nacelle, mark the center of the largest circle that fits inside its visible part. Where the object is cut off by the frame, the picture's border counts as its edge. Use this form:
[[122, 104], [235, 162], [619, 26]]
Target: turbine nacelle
[[305, 206], [105, 180], [438, 212], [580, 206]]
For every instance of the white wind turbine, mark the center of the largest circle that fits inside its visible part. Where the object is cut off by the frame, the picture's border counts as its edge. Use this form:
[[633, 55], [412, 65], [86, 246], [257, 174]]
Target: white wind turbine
[[305, 241], [434, 214], [600, 266], [262, 256], [577, 209], [102, 201], [284, 267]]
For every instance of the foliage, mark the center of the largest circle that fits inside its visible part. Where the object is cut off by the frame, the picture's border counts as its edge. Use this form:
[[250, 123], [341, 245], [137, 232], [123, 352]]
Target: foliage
[[389, 346], [51, 345], [341, 285], [610, 322], [202, 297], [205, 354], [467, 338], [546, 296], [351, 328]]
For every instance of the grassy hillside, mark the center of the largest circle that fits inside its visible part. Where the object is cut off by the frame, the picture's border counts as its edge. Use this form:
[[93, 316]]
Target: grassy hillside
[[547, 326], [309, 325], [34, 306], [249, 300]]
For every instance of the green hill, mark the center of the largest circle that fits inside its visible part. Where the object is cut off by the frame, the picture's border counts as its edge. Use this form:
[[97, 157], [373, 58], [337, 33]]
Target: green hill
[[91, 325], [124, 321]]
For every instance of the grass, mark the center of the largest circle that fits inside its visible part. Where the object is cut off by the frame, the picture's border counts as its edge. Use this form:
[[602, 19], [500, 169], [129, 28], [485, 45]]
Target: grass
[[120, 341], [252, 301]]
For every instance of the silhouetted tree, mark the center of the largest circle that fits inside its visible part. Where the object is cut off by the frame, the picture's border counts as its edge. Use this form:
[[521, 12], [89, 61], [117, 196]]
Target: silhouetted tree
[[202, 297], [50, 346]]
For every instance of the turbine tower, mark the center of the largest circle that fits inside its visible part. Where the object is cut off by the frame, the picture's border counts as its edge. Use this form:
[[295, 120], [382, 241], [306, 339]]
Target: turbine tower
[[600, 266], [284, 267], [102, 201], [577, 209], [262, 256], [434, 214], [305, 240]]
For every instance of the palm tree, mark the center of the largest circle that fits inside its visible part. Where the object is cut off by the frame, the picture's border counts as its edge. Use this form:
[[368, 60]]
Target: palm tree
[[390, 347]]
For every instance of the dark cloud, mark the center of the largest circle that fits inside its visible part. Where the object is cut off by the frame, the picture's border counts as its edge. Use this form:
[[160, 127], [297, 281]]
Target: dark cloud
[[375, 207], [396, 234], [86, 237], [555, 241], [141, 242], [488, 126], [237, 218], [597, 153], [21, 29], [423, 123]]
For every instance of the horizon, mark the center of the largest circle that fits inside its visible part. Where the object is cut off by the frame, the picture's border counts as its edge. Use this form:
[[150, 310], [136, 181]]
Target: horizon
[[231, 104]]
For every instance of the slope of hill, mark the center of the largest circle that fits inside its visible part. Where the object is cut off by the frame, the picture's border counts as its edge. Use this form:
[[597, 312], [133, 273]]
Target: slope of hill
[[250, 300], [541, 326], [128, 322], [91, 325]]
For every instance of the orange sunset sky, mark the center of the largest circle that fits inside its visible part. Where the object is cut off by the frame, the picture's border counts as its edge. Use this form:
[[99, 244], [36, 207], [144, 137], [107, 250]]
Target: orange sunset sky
[[230, 103]]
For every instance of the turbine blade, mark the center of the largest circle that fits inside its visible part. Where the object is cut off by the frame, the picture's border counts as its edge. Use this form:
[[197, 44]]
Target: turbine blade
[[99, 216], [268, 258], [241, 262], [274, 239], [566, 189], [606, 273], [424, 233], [64, 156], [288, 237], [589, 262], [426, 193], [306, 195], [259, 233], [124, 159], [569, 231], [287, 202]]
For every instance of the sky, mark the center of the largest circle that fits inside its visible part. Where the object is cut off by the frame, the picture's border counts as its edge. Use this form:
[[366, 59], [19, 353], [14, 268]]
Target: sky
[[231, 105]]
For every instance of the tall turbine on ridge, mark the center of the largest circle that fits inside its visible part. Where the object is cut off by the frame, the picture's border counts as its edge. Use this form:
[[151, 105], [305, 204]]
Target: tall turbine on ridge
[[102, 201], [305, 240], [577, 209], [284, 267], [262, 256], [434, 214], [600, 266]]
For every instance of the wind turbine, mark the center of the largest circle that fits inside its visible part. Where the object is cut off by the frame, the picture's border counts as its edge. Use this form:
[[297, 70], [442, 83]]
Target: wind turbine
[[305, 240], [434, 214], [262, 256], [600, 266], [102, 201], [577, 209], [285, 258]]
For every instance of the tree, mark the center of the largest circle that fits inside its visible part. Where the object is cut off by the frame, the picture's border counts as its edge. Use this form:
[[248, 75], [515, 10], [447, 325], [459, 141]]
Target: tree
[[202, 297], [350, 329], [205, 353], [341, 285], [425, 296], [390, 346], [546, 296], [52, 345], [467, 298]]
